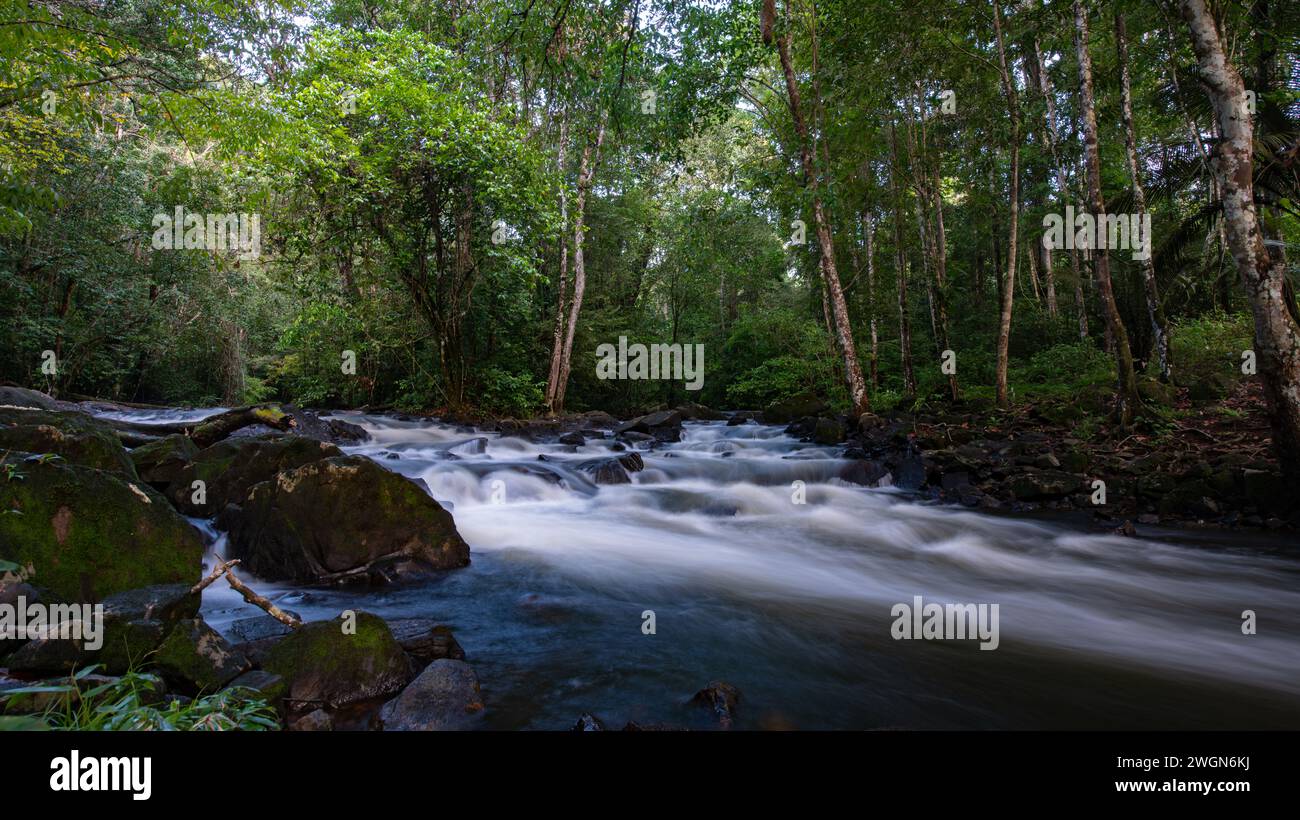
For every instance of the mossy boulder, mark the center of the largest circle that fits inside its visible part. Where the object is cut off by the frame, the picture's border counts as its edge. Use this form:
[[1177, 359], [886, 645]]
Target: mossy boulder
[[794, 407], [230, 468], [195, 658], [827, 432], [88, 533], [1154, 391], [77, 437], [342, 519], [160, 463], [338, 662], [1044, 484]]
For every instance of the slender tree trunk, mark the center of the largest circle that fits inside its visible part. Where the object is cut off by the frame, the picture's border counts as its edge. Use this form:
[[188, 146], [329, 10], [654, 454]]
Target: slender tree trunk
[[587, 170], [900, 265], [1126, 398], [1009, 284], [830, 276], [1155, 311], [868, 233], [562, 298], [1263, 274]]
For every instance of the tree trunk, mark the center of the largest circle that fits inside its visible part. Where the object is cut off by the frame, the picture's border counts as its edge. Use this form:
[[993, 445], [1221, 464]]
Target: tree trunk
[[1009, 284], [562, 299], [1155, 311], [868, 232], [830, 276], [1126, 398], [587, 170], [1277, 336]]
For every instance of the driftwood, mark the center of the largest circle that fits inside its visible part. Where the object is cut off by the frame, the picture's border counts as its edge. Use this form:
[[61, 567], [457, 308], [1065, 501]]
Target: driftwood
[[249, 595], [206, 432]]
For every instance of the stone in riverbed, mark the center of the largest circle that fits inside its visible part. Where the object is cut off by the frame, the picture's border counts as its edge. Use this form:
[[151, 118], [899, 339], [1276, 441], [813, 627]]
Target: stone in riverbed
[[1044, 484], [425, 640], [160, 463], [444, 697], [722, 698], [77, 437], [195, 658], [89, 533], [324, 666], [230, 468], [613, 470], [787, 410], [341, 519]]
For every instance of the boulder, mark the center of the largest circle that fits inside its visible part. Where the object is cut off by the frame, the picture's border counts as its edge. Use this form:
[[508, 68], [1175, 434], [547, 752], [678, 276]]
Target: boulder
[[195, 658], [827, 432], [340, 519], [573, 438], [721, 698], [160, 463], [425, 641], [317, 720], [326, 666], [77, 437], [1210, 387], [651, 423], [22, 397], [268, 686], [89, 533], [691, 411], [788, 409], [613, 470], [444, 697], [588, 722], [230, 468]]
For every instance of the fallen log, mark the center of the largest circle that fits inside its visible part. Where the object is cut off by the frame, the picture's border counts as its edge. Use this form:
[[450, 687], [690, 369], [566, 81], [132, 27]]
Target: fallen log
[[206, 432]]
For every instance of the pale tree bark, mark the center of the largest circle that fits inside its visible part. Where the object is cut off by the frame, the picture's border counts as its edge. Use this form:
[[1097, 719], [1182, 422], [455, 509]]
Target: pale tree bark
[[586, 171], [869, 237], [1155, 311], [562, 299], [1126, 397], [900, 265], [830, 276], [1263, 273], [1062, 183], [1009, 281]]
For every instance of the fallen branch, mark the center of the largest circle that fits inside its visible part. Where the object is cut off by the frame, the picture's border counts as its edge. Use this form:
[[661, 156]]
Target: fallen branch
[[217, 571], [208, 431], [257, 600]]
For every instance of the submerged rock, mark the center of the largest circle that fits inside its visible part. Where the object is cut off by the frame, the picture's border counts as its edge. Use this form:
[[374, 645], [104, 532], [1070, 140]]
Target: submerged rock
[[444, 697], [722, 698], [89, 533], [341, 519]]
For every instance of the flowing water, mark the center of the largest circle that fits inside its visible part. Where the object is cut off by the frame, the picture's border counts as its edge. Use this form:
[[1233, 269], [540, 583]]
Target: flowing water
[[792, 602]]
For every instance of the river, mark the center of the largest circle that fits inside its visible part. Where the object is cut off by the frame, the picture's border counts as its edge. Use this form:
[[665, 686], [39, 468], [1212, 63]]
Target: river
[[791, 602]]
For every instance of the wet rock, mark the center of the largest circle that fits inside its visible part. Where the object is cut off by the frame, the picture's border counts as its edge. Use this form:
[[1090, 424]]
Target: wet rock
[[613, 470], [160, 463], [325, 666], [346, 432], [444, 697], [652, 422], [195, 658], [89, 533], [76, 437], [722, 698], [229, 469], [22, 397], [910, 472], [425, 640], [266, 685], [574, 438], [827, 432], [741, 417], [864, 472], [338, 519], [258, 627], [787, 410]]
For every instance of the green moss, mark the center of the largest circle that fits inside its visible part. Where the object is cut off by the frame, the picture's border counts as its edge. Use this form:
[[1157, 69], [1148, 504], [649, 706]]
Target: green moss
[[76, 437], [90, 533], [323, 664]]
